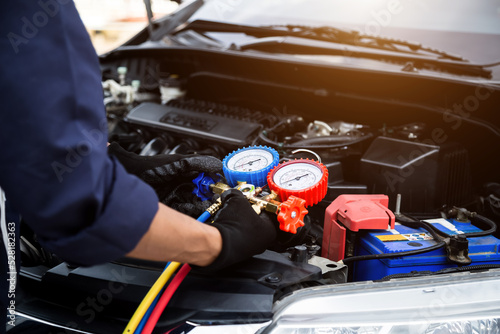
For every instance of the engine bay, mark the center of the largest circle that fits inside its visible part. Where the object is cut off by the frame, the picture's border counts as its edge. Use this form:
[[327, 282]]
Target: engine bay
[[428, 162], [407, 174]]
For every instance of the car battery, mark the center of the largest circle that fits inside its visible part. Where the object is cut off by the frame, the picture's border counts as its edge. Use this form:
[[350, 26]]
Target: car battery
[[482, 250]]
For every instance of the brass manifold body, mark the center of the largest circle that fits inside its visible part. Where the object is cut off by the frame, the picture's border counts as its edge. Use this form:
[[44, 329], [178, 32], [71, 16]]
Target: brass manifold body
[[267, 203], [290, 213]]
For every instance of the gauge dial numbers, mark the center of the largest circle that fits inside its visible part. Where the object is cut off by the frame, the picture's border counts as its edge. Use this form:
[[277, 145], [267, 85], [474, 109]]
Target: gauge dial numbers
[[250, 160], [298, 176]]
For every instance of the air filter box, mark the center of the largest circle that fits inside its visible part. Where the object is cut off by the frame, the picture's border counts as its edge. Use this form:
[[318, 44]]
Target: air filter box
[[482, 250], [426, 175]]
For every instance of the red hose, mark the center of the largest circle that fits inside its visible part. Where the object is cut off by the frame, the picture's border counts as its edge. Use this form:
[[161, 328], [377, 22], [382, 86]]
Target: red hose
[[165, 298]]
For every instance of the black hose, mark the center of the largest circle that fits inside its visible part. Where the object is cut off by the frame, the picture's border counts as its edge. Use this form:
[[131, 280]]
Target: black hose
[[475, 219], [393, 255], [416, 223], [313, 147], [484, 220], [324, 140], [432, 231]]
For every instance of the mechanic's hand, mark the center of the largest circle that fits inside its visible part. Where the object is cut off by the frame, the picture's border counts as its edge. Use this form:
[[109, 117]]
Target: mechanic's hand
[[170, 175], [244, 232]]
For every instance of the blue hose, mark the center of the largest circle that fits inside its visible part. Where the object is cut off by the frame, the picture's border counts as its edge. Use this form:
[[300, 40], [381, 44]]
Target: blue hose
[[204, 217], [145, 318]]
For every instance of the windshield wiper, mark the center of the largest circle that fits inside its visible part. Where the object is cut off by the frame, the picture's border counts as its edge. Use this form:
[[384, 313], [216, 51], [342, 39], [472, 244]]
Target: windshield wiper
[[413, 55], [354, 37], [408, 62], [322, 33]]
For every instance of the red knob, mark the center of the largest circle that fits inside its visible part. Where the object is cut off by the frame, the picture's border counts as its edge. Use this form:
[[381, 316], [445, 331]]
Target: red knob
[[292, 213]]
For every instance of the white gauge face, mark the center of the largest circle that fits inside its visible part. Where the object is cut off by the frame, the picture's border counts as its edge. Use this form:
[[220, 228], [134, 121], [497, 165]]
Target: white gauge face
[[250, 160], [297, 176]]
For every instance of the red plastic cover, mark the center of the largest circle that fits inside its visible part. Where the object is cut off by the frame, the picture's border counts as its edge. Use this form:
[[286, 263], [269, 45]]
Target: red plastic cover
[[354, 212]]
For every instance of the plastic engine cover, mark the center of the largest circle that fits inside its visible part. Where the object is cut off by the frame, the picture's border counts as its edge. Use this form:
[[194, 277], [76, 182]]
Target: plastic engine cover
[[102, 298]]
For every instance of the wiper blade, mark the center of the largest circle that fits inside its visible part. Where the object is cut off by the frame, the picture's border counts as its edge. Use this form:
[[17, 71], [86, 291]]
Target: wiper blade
[[409, 62], [384, 47], [322, 33], [354, 37]]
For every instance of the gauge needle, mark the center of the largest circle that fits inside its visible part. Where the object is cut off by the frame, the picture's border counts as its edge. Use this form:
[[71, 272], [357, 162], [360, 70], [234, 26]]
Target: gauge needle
[[247, 163], [296, 178]]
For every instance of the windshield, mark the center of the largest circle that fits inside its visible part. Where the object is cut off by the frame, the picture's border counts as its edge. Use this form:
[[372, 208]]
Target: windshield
[[462, 27], [369, 16]]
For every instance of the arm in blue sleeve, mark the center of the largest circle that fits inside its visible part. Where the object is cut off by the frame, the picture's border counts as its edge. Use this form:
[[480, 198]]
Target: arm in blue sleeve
[[54, 165]]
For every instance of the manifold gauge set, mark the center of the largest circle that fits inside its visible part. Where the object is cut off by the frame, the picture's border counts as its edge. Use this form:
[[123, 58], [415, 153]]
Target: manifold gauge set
[[291, 186]]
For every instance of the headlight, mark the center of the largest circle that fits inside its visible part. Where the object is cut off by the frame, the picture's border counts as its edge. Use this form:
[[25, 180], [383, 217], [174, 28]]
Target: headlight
[[485, 326], [463, 303]]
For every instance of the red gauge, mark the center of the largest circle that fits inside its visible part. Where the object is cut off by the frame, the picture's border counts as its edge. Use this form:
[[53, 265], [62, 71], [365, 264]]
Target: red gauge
[[303, 178]]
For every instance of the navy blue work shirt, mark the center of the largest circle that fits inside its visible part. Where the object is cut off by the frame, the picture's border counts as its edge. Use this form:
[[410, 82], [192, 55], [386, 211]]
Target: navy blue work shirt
[[54, 166]]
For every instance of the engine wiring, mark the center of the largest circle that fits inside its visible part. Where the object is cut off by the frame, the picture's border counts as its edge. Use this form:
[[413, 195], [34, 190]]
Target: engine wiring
[[475, 218], [268, 141], [435, 236]]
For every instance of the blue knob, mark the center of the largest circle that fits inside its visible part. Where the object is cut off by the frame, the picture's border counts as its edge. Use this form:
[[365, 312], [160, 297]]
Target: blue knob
[[202, 186]]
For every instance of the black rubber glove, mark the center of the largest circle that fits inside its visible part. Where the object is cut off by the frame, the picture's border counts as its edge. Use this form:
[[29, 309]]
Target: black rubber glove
[[170, 175], [244, 232]]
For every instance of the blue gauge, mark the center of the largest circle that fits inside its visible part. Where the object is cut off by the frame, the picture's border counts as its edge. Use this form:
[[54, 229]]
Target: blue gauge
[[250, 164]]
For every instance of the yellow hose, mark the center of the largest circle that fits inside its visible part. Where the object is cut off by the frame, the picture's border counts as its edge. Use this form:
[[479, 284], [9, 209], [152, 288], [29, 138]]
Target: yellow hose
[[150, 297]]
